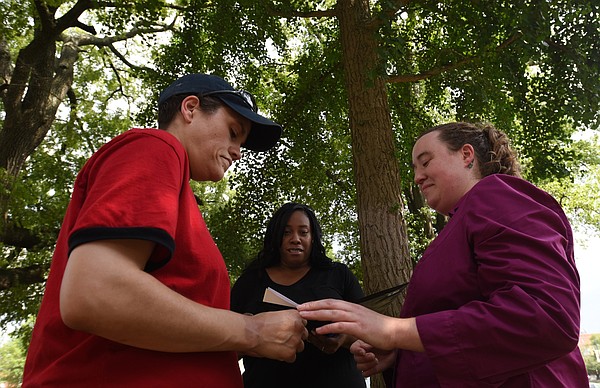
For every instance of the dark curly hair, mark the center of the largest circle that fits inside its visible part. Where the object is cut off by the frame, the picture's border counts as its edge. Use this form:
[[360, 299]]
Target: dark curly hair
[[270, 256], [492, 146]]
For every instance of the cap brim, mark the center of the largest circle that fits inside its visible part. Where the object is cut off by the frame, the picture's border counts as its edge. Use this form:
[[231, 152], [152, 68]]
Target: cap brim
[[264, 133]]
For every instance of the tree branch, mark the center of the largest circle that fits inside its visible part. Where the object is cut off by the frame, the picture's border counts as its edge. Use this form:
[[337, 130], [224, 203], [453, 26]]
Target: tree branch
[[5, 64], [112, 4], [46, 15], [11, 277], [451, 66], [90, 40], [112, 48], [16, 236], [69, 19], [389, 12], [290, 13]]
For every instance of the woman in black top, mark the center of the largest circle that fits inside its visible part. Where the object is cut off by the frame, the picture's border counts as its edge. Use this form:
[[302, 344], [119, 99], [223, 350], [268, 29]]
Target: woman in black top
[[293, 262]]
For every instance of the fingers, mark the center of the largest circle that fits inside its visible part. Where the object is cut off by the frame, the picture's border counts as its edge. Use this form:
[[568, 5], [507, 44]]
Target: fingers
[[325, 304], [366, 361], [305, 330], [299, 332], [368, 369], [333, 310], [359, 347], [370, 360], [293, 346], [280, 336]]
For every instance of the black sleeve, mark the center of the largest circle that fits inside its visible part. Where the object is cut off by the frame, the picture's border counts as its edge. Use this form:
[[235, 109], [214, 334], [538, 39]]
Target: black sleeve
[[352, 289]]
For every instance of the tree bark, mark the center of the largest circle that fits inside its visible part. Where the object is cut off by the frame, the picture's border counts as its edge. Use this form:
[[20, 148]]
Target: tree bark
[[383, 239], [32, 94], [384, 248]]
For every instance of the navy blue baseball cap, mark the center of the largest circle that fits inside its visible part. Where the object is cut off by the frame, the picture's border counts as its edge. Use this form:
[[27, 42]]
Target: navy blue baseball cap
[[264, 133]]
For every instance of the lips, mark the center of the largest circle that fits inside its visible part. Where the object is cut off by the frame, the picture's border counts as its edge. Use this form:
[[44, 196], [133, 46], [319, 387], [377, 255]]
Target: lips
[[425, 187], [229, 162]]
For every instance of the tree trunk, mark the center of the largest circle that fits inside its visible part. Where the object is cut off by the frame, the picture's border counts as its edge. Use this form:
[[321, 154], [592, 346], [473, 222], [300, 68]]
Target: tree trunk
[[383, 239], [38, 85]]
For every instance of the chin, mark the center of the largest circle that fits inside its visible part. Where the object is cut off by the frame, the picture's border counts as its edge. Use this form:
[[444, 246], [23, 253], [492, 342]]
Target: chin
[[209, 177]]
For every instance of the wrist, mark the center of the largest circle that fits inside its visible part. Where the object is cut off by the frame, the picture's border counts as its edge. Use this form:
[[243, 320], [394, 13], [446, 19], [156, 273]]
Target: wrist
[[406, 335], [251, 333]]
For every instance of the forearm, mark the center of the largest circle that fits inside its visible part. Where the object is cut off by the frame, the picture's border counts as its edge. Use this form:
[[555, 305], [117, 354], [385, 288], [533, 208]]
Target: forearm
[[105, 292], [132, 307]]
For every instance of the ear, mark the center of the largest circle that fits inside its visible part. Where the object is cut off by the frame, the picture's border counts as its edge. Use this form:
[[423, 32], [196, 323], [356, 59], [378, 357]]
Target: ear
[[468, 154], [188, 105]]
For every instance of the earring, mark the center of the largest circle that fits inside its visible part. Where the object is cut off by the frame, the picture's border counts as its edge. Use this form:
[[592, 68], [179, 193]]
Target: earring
[[470, 165]]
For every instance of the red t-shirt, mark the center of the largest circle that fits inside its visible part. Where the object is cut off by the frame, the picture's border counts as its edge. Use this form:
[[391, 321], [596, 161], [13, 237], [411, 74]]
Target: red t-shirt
[[134, 187]]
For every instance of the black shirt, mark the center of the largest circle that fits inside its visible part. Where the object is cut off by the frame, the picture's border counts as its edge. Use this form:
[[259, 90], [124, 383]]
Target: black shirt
[[312, 368]]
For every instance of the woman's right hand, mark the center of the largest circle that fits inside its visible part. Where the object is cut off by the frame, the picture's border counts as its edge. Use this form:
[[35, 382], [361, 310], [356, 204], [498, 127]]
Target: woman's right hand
[[370, 360], [381, 331], [279, 334]]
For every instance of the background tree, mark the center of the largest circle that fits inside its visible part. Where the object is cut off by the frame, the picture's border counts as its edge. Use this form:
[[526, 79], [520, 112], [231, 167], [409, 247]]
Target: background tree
[[12, 359], [352, 82], [41, 46], [591, 356], [366, 76]]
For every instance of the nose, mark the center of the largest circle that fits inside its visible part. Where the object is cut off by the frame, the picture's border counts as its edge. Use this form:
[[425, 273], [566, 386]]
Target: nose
[[235, 152], [419, 177]]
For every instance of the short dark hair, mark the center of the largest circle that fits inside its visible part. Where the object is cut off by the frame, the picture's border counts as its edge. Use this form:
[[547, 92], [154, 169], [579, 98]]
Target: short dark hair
[[270, 255], [491, 145], [170, 107]]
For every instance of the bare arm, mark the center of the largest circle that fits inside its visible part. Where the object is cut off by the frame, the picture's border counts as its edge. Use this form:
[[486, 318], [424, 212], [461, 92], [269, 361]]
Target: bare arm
[[106, 292], [380, 331]]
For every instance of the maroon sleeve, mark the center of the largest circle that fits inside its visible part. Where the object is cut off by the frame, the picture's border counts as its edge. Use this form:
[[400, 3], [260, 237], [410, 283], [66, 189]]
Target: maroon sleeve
[[527, 312]]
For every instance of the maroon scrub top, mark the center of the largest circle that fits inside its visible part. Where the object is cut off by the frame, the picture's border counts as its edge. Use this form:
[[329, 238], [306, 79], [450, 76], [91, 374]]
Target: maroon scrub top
[[496, 295]]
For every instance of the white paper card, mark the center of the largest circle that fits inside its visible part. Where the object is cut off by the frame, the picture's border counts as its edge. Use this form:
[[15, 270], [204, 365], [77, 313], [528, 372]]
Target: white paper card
[[272, 296]]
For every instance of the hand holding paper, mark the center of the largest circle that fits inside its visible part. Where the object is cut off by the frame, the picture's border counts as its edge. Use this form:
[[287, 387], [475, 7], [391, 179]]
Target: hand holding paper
[[376, 302]]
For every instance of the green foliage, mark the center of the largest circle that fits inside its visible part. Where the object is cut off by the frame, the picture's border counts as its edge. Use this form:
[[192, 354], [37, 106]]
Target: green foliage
[[16, 27], [12, 360], [523, 66], [516, 65], [579, 193], [591, 356], [42, 192], [530, 67], [418, 239]]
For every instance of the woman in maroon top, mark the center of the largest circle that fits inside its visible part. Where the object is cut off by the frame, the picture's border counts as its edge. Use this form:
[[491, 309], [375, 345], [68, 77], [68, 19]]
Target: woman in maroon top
[[494, 301]]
